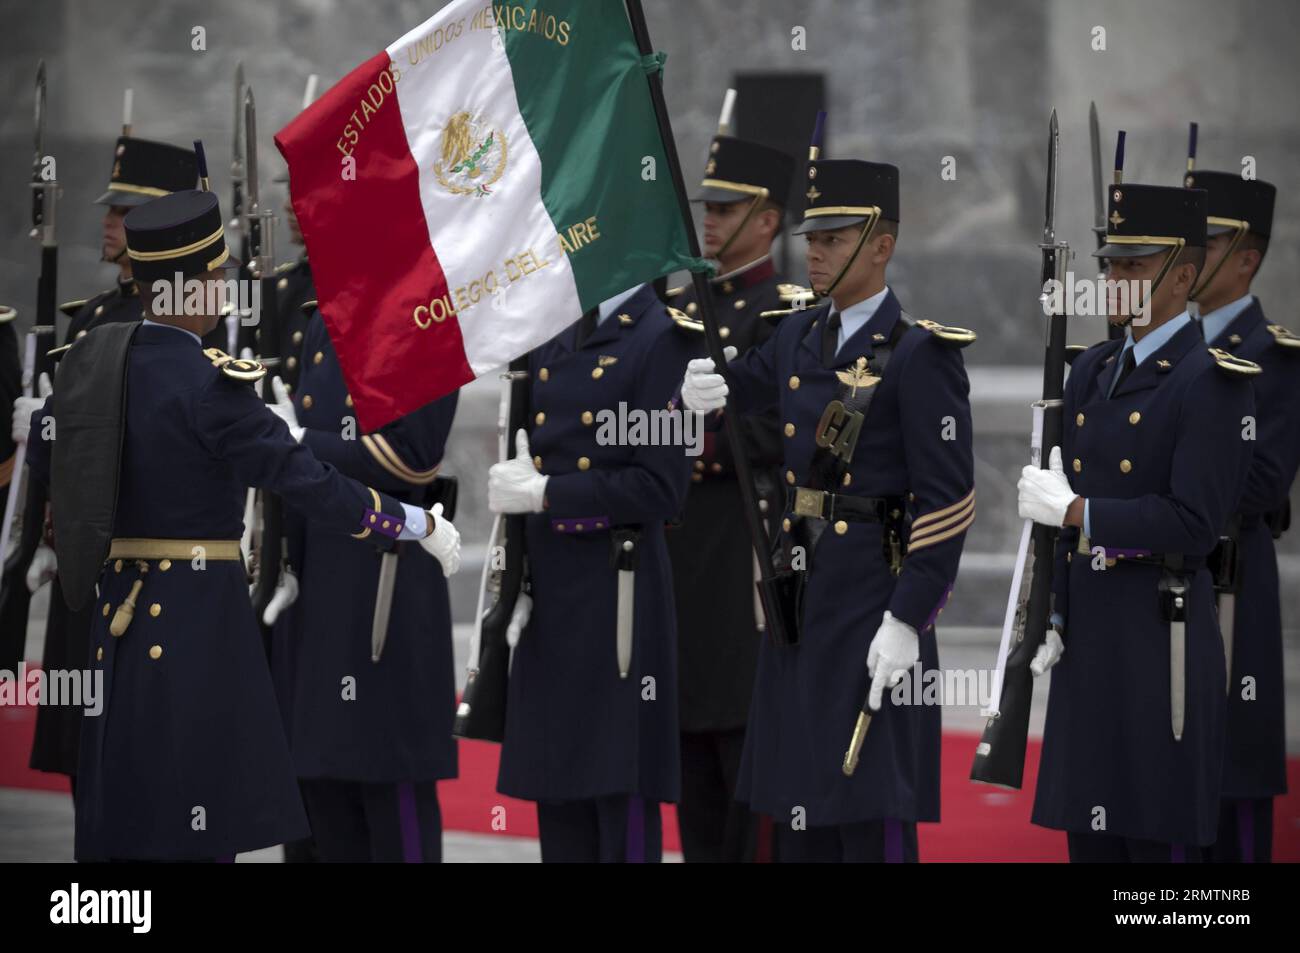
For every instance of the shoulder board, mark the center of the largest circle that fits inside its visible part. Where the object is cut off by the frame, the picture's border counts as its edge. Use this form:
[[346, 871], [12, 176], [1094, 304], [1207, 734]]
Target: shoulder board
[[1282, 336], [954, 337], [58, 352], [791, 293], [1074, 350], [285, 266], [235, 368], [308, 306], [1237, 366], [674, 292], [7, 314], [72, 307], [686, 324]]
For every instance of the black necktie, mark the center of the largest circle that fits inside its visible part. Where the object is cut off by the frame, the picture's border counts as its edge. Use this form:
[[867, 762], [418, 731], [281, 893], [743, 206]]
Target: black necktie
[[587, 325], [830, 339], [1126, 365]]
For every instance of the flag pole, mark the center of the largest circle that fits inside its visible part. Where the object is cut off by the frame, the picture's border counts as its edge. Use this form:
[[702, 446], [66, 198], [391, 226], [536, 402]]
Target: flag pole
[[704, 299]]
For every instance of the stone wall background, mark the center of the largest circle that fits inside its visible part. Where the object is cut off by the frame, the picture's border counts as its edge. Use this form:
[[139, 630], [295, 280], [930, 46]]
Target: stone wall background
[[908, 83]]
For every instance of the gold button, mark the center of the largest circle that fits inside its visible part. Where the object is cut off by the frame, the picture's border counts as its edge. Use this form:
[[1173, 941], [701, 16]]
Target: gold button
[[690, 308], [307, 401], [1134, 417], [789, 477], [794, 383], [540, 418], [597, 373], [697, 477], [544, 374], [537, 462], [297, 337], [348, 400], [155, 652], [587, 417], [841, 527], [291, 363], [117, 566], [789, 430], [318, 357], [1079, 420], [106, 606], [599, 525], [1078, 465], [1125, 466], [374, 518], [740, 304], [584, 463], [99, 654], [81, 334], [165, 565], [724, 333], [155, 610], [282, 283], [716, 467], [848, 478], [386, 524], [560, 527], [785, 524], [577, 527], [99, 310], [699, 465]]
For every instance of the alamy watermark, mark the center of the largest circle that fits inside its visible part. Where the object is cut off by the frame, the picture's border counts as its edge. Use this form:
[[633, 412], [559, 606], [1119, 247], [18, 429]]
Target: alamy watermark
[[80, 688], [637, 427]]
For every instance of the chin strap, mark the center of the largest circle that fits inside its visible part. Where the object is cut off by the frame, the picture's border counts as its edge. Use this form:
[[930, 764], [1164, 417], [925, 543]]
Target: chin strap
[[872, 218]]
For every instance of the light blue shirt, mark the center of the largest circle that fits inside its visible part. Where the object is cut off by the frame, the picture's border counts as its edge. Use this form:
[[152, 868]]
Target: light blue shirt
[[1214, 322], [1143, 349], [855, 317], [610, 305]]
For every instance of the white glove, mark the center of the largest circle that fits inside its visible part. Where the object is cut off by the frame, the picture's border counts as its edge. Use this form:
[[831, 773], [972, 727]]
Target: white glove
[[283, 408], [43, 568], [1048, 654], [24, 407], [894, 650], [286, 594], [515, 486], [519, 619], [703, 388], [443, 544], [1045, 495]]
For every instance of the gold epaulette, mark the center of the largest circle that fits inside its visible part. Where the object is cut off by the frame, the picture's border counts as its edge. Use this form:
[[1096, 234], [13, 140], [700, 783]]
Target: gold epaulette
[[674, 292], [285, 266], [72, 307], [797, 297], [308, 306], [239, 369], [7, 314], [1282, 336], [1233, 364], [686, 324], [956, 337], [1074, 350]]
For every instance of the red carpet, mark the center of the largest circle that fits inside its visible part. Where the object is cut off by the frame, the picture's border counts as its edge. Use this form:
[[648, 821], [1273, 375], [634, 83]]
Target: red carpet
[[980, 823]]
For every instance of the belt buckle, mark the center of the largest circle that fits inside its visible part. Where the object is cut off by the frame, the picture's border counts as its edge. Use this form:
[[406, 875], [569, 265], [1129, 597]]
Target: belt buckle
[[809, 502], [1084, 547]]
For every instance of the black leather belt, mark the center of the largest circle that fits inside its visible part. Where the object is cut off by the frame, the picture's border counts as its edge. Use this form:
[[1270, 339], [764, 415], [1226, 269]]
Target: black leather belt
[[822, 505]]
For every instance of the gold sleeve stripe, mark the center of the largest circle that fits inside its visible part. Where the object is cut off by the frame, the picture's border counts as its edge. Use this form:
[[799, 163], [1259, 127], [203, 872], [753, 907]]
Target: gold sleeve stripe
[[387, 458], [937, 538], [940, 514], [7, 470], [943, 524]]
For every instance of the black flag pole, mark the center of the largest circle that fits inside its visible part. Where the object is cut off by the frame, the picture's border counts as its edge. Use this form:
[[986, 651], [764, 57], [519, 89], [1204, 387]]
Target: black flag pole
[[704, 298]]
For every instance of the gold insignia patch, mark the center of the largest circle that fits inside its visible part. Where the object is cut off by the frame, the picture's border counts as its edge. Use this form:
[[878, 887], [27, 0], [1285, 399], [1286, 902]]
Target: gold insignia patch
[[605, 360], [858, 377], [1163, 365]]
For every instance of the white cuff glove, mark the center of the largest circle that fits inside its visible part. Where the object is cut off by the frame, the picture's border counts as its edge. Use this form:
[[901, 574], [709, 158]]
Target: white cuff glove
[[283, 408], [519, 619], [44, 567], [1045, 495], [515, 486], [286, 594], [24, 407], [443, 544], [1048, 654], [703, 388], [893, 652]]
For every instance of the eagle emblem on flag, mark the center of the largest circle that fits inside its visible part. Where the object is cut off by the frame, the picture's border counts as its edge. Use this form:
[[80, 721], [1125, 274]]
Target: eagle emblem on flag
[[474, 156]]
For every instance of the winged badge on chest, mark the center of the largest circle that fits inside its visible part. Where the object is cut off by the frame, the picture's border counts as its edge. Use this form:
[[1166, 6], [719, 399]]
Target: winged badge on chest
[[857, 376]]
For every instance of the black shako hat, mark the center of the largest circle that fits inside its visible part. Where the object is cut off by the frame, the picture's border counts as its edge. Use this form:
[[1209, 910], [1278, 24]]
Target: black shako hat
[[182, 232]]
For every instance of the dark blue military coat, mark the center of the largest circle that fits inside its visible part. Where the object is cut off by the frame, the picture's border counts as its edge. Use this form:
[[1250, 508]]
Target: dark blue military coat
[[188, 758], [1161, 463], [397, 727], [1255, 752], [574, 728], [915, 443]]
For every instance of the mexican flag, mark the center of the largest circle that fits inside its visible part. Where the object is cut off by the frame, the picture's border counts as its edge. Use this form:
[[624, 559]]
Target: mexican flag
[[468, 192]]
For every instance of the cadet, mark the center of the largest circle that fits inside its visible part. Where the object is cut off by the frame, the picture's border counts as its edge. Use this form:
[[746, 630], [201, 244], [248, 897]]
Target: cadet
[[142, 171], [371, 736], [294, 287], [591, 717], [1133, 743], [872, 532], [744, 194], [11, 388], [1240, 219], [187, 759]]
